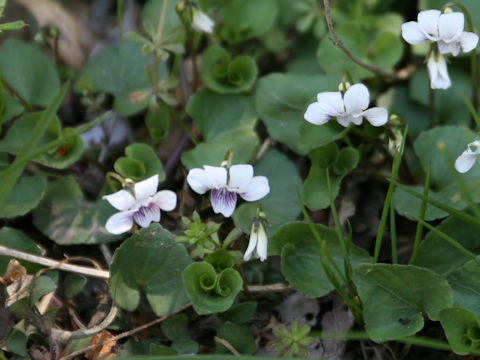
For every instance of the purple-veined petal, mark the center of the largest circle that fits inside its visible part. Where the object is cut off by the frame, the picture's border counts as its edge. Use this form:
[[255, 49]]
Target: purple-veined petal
[[146, 214], [252, 243], [223, 201], [428, 21], [146, 188], [446, 48], [199, 181], [255, 189], [240, 175], [377, 116], [120, 222], [450, 26], [262, 244], [217, 176], [166, 200], [333, 100], [465, 161], [121, 200], [412, 33], [468, 41], [319, 113], [356, 99]]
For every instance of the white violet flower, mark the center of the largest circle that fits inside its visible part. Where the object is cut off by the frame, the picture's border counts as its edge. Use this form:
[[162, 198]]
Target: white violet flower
[[445, 29], [351, 108], [258, 242], [143, 205], [465, 161], [201, 22], [438, 71], [226, 184]]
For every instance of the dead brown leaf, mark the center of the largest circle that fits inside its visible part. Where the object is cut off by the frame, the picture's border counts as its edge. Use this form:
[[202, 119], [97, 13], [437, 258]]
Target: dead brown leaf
[[102, 352]]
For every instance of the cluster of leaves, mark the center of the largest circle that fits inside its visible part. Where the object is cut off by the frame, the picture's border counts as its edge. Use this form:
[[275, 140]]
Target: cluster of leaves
[[238, 100]]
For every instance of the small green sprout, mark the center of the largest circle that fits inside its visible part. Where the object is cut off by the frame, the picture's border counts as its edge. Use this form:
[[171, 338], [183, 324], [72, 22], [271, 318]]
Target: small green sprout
[[292, 343]]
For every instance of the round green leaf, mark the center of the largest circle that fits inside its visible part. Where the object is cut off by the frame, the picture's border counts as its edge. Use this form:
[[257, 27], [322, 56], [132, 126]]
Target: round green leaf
[[239, 336], [302, 259], [208, 299], [30, 73], [74, 283], [465, 283], [394, 298], [215, 114], [227, 76], [141, 162], [149, 261], [17, 240], [25, 195]]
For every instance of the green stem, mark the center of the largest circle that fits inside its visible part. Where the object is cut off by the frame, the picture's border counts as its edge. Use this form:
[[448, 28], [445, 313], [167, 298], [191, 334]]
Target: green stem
[[465, 191], [452, 211], [1, 102], [418, 234], [445, 237], [120, 19], [473, 112], [393, 233], [157, 42], [397, 159], [431, 106], [473, 53]]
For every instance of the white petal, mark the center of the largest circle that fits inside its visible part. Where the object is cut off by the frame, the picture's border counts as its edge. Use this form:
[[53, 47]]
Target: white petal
[[438, 72], [240, 175], [166, 200], [217, 176], [376, 116], [146, 188], [445, 48], [450, 26], [146, 214], [465, 162], [120, 222], [412, 33], [201, 22], [223, 201], [356, 99], [428, 21], [474, 147], [121, 200], [332, 99], [345, 120], [319, 113], [255, 189], [252, 243], [468, 41], [357, 120], [199, 181], [262, 243]]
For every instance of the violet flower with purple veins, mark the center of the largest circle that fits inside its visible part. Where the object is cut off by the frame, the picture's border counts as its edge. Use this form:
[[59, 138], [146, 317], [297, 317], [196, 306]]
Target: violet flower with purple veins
[[226, 184], [143, 206]]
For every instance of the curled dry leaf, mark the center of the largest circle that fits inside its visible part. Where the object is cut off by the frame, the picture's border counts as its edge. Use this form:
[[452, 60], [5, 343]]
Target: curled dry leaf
[[102, 352]]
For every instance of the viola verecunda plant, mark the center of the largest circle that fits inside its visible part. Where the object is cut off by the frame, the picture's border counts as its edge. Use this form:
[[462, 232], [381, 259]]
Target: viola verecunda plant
[[142, 204], [226, 184], [348, 108]]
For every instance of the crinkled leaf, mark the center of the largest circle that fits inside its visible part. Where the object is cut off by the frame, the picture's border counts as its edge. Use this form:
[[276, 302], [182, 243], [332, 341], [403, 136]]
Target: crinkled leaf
[[459, 324], [302, 259], [403, 293], [225, 75], [140, 163], [152, 262]]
